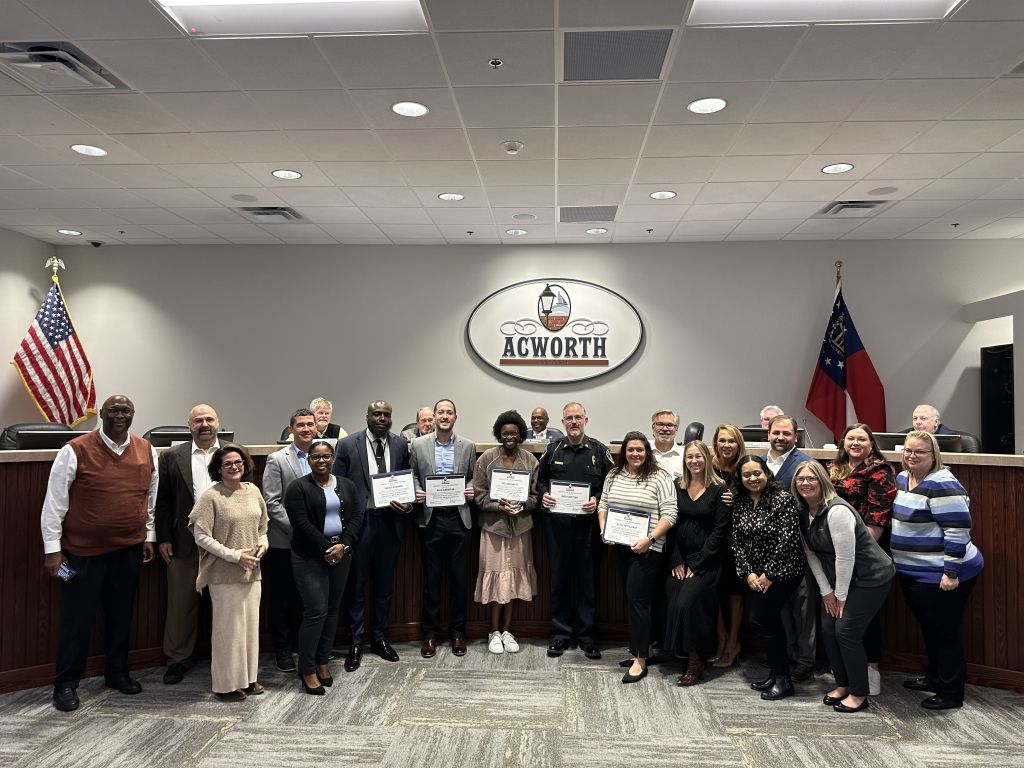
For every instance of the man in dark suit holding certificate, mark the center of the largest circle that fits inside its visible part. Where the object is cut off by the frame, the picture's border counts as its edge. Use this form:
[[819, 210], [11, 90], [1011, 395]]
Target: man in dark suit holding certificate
[[373, 451], [444, 530]]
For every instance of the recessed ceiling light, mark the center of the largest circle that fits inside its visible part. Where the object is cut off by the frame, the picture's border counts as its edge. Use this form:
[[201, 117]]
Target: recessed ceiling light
[[242, 198], [89, 149], [285, 173], [729, 12], [523, 216], [837, 168], [883, 190], [69, 232], [665, 194], [409, 109], [597, 231], [707, 106], [515, 232], [450, 197]]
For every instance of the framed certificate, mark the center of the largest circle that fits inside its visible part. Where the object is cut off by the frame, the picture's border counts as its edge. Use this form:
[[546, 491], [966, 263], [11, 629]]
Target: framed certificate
[[625, 526], [445, 490], [511, 484], [392, 486], [569, 497]]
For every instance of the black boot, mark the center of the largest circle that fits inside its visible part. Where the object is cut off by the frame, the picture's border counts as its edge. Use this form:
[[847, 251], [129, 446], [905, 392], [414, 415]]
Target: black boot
[[764, 685], [782, 688]]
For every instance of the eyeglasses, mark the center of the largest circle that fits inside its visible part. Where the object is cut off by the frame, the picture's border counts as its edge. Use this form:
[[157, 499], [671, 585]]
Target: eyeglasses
[[226, 464], [664, 424], [910, 452], [806, 481], [322, 457]]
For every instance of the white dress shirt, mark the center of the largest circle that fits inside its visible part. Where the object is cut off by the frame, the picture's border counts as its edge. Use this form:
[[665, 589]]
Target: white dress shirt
[[371, 457], [671, 460], [776, 464], [200, 468]]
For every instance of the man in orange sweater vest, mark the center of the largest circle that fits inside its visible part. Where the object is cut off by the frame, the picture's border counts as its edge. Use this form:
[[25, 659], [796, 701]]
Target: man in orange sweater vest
[[97, 525]]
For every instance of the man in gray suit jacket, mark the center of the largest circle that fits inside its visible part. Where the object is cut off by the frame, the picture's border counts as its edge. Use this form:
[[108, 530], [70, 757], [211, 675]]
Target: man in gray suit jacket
[[444, 531], [183, 477], [284, 466]]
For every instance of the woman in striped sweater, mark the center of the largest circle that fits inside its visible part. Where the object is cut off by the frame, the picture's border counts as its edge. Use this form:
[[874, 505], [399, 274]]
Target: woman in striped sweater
[[936, 562]]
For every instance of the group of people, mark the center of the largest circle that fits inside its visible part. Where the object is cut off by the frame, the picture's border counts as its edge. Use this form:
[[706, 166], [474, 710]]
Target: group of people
[[721, 529]]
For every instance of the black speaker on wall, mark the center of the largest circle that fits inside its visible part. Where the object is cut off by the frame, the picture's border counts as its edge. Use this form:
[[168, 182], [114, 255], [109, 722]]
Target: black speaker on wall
[[997, 399]]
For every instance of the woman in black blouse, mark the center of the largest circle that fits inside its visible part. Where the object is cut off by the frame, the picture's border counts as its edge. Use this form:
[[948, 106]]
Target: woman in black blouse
[[692, 588], [770, 559]]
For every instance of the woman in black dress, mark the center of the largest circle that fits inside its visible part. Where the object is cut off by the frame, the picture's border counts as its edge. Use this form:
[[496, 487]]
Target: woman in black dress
[[729, 448], [692, 587]]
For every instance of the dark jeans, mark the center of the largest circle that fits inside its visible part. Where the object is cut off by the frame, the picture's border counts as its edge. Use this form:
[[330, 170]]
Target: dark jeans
[[844, 638], [766, 622], [572, 543], [375, 556], [445, 546], [285, 602], [321, 586], [641, 573], [941, 617], [108, 581]]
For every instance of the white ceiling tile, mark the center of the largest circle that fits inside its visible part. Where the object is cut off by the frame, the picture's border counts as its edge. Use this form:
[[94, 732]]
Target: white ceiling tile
[[341, 145], [128, 233], [651, 231], [147, 216], [457, 216], [536, 233], [22, 24], [640, 194], [94, 21], [205, 216], [955, 189], [8, 87], [14, 149], [1003, 228], [78, 198], [810, 102], [988, 210], [335, 215], [526, 197], [720, 212], [432, 173], [784, 211], [215, 111], [312, 175], [612, 13], [741, 99], [1003, 100], [723, 54], [398, 215], [1011, 190], [967, 136], [981, 49], [356, 234], [619, 104], [675, 169], [918, 99], [160, 65], [176, 198], [919, 209], [765, 227], [993, 165], [172, 148], [872, 138], [271, 63], [300, 234], [688, 140], [884, 189], [438, 144], [175, 231], [509, 106], [854, 51], [309, 110], [650, 213], [735, 192], [595, 171], [57, 147], [749, 238], [688, 228], [116, 113], [73, 217], [990, 10], [383, 61], [528, 57], [14, 217], [920, 166], [505, 216], [491, 14], [780, 138], [243, 234], [888, 226], [410, 231], [595, 194], [917, 234], [538, 143], [822, 190], [473, 197], [34, 114], [754, 168], [136, 176], [810, 167], [316, 196], [10, 179], [612, 141], [513, 171], [226, 196], [211, 174], [794, 235], [376, 108], [382, 197], [364, 174], [475, 233], [254, 146]]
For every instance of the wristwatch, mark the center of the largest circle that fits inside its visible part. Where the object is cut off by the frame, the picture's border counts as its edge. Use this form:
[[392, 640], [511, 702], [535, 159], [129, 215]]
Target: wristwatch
[[653, 540]]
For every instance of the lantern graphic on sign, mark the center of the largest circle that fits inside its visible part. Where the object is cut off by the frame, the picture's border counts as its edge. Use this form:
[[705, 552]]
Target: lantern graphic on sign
[[553, 307]]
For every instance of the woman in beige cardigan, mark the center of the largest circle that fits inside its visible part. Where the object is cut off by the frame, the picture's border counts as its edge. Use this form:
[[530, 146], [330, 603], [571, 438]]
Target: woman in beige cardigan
[[229, 522], [506, 551]]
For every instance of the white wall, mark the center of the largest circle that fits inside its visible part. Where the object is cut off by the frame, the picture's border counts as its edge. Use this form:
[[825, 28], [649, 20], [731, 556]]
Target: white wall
[[257, 331]]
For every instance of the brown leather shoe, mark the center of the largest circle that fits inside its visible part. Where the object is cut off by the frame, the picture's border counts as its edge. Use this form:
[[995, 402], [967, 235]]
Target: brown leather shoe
[[458, 645], [236, 695], [254, 689], [800, 673], [429, 648], [694, 672]]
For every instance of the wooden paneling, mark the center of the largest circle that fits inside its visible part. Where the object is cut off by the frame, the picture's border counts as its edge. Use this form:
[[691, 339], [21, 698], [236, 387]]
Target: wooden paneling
[[30, 600]]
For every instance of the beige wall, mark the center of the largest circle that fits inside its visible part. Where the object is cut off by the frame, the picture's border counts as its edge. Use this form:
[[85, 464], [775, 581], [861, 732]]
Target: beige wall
[[257, 331]]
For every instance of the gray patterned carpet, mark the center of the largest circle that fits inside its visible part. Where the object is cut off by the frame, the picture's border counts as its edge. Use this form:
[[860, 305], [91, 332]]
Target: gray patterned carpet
[[508, 711]]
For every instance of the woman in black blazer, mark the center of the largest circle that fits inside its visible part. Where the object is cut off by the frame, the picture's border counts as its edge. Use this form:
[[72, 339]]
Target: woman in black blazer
[[326, 522]]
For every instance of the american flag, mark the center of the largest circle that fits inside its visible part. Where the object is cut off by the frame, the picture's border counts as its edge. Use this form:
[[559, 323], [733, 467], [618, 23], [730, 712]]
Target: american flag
[[53, 364]]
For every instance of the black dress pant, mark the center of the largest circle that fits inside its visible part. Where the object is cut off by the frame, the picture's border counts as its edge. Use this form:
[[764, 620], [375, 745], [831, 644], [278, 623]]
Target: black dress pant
[[104, 581], [844, 638], [322, 587], [572, 543], [766, 622], [641, 573], [445, 547], [285, 602], [940, 615], [376, 556]]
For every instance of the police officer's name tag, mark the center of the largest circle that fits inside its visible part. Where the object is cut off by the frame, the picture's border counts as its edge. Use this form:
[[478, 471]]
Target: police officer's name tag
[[569, 497], [445, 490]]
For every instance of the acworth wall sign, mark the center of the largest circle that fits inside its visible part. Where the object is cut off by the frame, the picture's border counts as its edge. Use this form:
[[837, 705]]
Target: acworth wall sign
[[554, 330]]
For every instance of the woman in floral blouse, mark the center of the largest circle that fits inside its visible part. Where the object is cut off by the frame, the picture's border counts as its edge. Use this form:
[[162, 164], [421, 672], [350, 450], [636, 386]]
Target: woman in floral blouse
[[770, 560], [863, 477]]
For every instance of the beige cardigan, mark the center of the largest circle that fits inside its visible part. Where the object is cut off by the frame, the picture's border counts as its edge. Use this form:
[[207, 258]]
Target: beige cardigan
[[225, 524], [491, 518]]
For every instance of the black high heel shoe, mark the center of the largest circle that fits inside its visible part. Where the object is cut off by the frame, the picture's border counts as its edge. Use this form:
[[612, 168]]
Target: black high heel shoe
[[328, 681], [318, 691]]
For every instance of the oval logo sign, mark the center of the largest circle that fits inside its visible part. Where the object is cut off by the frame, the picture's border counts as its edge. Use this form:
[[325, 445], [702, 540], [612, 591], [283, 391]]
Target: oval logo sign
[[554, 330]]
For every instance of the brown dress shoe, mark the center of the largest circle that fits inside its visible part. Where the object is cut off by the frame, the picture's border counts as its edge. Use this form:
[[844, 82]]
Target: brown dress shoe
[[236, 695], [800, 673], [459, 645], [429, 648], [694, 672], [254, 689]]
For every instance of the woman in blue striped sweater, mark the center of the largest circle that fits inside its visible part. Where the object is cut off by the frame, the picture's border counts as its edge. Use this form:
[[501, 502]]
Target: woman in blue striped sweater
[[937, 564]]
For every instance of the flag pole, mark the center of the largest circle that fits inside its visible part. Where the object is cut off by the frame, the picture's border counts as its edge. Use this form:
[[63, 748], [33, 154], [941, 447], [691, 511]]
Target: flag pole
[[839, 272]]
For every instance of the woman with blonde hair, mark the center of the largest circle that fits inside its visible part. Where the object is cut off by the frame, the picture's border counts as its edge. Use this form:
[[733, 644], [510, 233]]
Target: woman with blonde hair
[[728, 447]]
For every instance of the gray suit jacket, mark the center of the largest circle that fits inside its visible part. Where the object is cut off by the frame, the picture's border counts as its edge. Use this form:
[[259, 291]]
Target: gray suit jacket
[[282, 468], [422, 462]]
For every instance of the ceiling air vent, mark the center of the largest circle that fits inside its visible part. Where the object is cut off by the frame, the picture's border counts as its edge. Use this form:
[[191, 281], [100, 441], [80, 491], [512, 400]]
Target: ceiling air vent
[[615, 55], [573, 213], [851, 209], [56, 67], [271, 214]]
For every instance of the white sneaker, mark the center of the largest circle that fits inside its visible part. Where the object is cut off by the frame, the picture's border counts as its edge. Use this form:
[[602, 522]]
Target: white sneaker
[[509, 642], [874, 681], [494, 644]]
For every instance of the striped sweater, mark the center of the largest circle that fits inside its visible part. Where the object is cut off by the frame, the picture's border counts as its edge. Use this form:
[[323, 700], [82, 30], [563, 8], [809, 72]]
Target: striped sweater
[[931, 529]]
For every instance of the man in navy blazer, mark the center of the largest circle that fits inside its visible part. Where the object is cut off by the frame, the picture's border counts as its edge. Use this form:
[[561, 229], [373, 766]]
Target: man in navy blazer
[[800, 612], [371, 451], [539, 427]]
